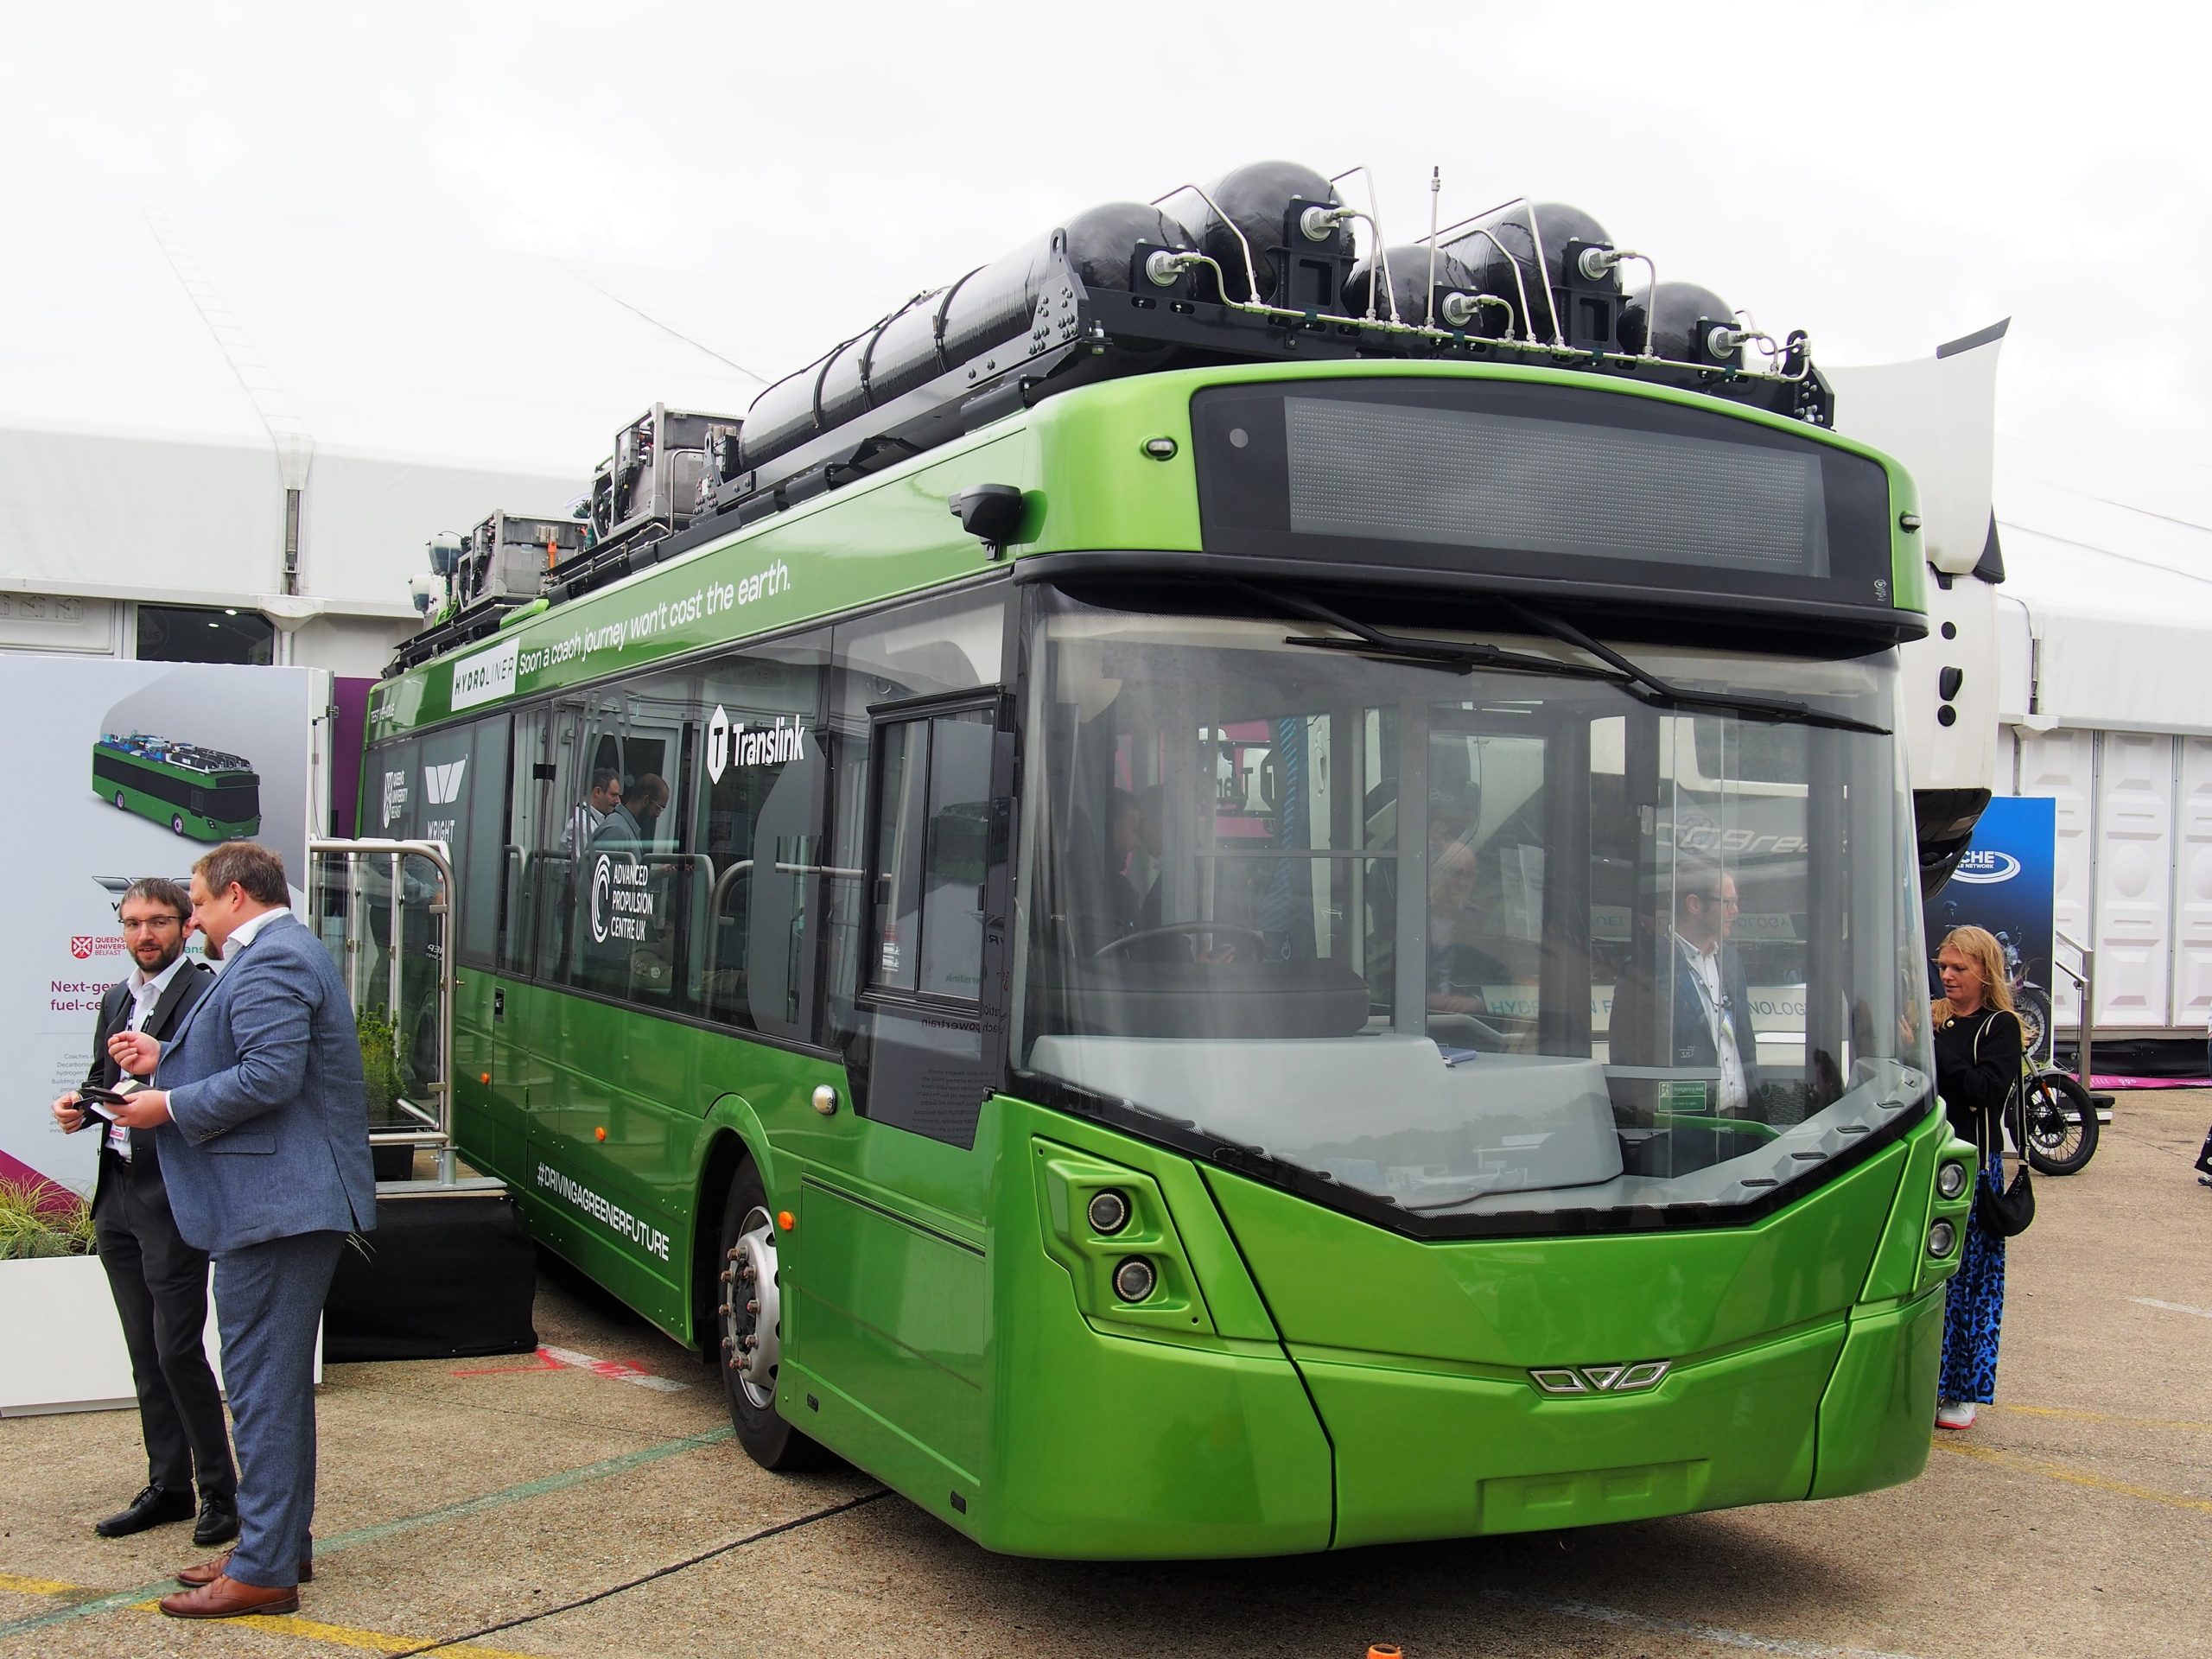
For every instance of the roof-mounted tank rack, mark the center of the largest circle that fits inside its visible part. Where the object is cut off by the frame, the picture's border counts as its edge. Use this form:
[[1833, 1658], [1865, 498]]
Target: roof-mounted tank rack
[[477, 579], [1261, 265]]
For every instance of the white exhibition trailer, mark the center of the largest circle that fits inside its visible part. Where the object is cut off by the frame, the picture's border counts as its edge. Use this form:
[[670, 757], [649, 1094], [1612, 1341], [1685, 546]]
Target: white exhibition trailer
[[2104, 633]]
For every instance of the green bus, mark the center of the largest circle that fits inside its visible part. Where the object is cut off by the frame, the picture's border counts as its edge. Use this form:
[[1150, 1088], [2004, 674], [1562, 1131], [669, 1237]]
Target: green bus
[[1136, 994], [202, 793]]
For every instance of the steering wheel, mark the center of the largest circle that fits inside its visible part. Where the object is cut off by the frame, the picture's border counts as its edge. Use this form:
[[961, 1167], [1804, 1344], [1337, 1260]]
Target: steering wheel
[[1177, 930]]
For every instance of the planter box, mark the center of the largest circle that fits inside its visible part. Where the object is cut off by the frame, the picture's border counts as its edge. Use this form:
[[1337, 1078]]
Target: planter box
[[61, 1344]]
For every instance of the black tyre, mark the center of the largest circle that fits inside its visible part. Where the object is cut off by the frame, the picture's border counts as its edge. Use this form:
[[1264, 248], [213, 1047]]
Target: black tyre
[[749, 1352], [176, 823], [2062, 1124], [119, 806], [2032, 1005]]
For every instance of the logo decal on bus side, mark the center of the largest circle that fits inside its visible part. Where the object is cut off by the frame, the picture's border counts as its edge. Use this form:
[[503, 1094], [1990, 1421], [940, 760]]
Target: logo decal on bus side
[[1602, 1379], [731, 743], [395, 796], [443, 784]]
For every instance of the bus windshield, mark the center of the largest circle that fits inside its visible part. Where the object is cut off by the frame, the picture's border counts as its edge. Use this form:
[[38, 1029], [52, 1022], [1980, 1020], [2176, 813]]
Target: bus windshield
[[1477, 942]]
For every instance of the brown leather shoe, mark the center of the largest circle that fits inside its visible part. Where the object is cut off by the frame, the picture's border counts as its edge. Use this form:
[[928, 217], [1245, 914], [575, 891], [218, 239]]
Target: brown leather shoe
[[208, 1572], [226, 1598]]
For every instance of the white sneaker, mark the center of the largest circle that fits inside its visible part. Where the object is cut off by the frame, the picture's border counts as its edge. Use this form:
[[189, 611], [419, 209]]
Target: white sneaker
[[1954, 1414]]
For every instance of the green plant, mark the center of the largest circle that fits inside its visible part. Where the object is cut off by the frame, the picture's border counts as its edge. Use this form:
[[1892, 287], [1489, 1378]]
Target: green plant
[[40, 1219], [380, 1061]]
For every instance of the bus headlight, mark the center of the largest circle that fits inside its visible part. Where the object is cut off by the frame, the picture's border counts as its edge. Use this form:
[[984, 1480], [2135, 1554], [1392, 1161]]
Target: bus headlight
[[1134, 1280], [1941, 1237], [1951, 1179], [1108, 1211]]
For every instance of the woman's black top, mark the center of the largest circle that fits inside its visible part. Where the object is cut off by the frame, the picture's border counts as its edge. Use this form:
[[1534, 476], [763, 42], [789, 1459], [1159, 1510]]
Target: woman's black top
[[1974, 1091]]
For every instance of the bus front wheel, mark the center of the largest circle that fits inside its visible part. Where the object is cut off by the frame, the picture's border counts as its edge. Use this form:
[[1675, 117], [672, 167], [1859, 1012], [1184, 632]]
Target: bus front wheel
[[176, 823], [752, 1328]]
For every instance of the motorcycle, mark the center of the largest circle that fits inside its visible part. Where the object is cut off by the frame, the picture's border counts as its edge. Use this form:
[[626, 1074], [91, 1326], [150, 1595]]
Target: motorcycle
[[2062, 1122]]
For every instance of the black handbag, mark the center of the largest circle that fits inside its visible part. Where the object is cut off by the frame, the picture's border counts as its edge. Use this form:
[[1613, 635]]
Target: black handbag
[[2004, 1211]]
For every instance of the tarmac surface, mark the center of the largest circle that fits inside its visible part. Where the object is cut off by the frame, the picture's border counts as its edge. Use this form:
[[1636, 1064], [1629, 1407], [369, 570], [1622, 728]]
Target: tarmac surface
[[587, 1501]]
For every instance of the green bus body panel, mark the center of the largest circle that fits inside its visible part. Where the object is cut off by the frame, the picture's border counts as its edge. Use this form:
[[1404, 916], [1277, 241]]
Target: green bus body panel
[[1499, 1307], [1078, 456], [889, 535], [1428, 1455], [1873, 1424], [1100, 490]]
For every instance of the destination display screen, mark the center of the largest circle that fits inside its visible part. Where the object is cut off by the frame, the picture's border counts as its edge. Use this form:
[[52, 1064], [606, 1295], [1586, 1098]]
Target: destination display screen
[[1551, 484]]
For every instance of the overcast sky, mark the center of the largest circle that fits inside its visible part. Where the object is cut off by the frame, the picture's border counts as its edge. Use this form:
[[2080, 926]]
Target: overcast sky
[[1885, 175]]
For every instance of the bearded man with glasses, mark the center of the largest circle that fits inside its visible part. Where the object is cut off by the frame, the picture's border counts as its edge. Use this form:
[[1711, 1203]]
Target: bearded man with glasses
[[159, 1281]]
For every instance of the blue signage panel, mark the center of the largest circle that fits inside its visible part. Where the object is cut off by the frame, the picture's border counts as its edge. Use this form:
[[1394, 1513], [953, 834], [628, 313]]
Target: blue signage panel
[[2006, 883]]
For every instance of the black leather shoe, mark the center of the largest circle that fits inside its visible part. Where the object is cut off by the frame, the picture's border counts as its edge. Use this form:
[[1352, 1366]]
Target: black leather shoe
[[156, 1506], [218, 1521]]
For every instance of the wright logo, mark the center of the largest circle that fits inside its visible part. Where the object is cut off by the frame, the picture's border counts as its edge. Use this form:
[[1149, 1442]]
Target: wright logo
[[443, 784]]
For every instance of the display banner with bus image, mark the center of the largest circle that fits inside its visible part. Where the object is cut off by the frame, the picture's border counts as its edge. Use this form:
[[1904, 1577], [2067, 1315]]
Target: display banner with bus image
[[2006, 883], [124, 769]]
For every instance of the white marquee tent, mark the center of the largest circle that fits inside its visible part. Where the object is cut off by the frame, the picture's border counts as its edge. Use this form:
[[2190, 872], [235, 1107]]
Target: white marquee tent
[[165, 381]]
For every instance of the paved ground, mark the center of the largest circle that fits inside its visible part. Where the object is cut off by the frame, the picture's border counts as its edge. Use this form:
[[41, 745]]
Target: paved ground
[[556, 1509]]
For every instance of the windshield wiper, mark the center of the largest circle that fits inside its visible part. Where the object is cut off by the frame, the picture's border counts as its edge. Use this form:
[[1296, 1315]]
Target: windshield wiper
[[1449, 655], [1647, 687]]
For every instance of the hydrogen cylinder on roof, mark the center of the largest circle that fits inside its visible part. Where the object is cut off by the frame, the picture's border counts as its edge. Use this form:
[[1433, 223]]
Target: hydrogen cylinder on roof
[[1246, 236], [1502, 246], [1677, 317], [1412, 285], [990, 305]]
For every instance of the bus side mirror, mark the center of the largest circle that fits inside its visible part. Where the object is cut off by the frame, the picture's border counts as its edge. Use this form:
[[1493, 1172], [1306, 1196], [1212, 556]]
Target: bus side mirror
[[989, 512]]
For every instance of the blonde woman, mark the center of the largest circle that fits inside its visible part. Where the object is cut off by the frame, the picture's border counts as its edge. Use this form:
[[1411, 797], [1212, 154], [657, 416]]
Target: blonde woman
[[1977, 1068]]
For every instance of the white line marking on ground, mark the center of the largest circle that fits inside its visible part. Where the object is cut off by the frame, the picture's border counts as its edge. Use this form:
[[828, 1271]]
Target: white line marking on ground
[[1717, 1634], [2173, 1307], [622, 1370]]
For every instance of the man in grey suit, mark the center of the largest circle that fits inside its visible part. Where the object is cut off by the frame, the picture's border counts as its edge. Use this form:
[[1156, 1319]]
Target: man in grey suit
[[160, 1282], [263, 1131]]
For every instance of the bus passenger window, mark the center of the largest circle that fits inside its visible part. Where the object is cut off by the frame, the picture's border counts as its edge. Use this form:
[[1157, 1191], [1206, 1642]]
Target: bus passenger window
[[932, 849]]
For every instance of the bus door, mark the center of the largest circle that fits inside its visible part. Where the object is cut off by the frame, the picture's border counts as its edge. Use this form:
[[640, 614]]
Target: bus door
[[611, 1148], [889, 1296]]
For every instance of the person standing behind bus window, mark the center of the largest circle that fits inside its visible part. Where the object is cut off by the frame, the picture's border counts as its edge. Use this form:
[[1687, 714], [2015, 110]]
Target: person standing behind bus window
[[1712, 1001], [604, 795], [1977, 1068]]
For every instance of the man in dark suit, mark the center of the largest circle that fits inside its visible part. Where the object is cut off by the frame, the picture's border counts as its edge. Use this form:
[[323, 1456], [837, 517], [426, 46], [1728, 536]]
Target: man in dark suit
[[264, 1135], [159, 1281], [1712, 1002]]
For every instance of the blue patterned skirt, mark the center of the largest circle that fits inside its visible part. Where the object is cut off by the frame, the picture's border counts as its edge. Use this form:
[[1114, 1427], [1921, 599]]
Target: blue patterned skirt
[[1974, 1308]]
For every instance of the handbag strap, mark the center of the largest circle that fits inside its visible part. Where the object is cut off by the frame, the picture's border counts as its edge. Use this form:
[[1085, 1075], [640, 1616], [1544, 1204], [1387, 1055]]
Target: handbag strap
[[2004, 1111]]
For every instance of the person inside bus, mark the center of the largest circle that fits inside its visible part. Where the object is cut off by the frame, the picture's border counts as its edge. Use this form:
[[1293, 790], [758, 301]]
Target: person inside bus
[[1977, 1070], [1460, 971], [1710, 1020], [584, 819], [630, 823], [1122, 905]]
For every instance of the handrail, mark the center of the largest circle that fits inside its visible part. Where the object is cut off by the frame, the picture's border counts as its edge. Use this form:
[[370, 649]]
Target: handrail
[[438, 1135], [2087, 980]]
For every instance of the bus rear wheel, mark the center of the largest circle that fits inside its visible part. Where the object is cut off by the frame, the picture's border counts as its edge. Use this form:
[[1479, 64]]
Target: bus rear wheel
[[750, 1315], [119, 805]]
